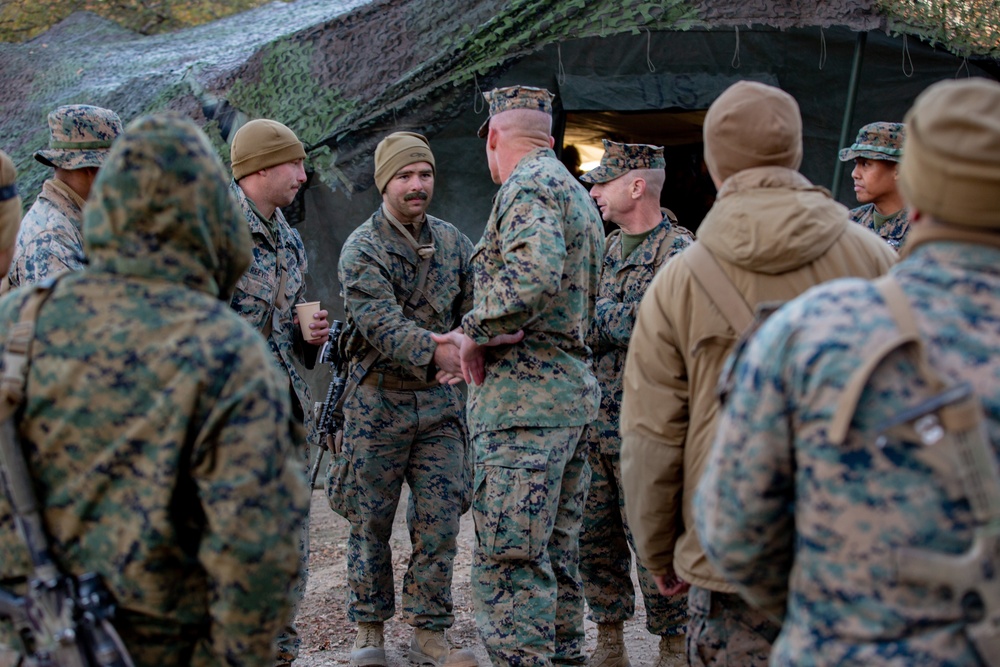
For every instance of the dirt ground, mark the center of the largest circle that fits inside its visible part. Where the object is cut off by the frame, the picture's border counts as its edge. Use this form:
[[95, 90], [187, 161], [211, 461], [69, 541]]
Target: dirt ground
[[327, 635]]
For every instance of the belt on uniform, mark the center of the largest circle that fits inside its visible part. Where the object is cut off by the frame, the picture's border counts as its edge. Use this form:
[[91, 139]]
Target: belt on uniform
[[393, 383]]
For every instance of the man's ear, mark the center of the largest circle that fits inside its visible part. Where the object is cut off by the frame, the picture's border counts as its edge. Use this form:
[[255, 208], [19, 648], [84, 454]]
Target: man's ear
[[552, 141], [638, 188]]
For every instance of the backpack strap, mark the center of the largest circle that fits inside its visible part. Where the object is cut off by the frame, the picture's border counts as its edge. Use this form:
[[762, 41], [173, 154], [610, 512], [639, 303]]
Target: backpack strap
[[17, 350], [906, 324], [719, 287]]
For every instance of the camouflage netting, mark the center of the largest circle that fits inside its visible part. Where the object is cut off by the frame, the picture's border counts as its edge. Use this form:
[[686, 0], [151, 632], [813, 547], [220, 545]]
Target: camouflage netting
[[341, 73]]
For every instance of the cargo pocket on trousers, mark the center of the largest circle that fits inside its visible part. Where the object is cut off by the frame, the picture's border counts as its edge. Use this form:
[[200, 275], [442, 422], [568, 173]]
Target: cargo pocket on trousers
[[509, 508]]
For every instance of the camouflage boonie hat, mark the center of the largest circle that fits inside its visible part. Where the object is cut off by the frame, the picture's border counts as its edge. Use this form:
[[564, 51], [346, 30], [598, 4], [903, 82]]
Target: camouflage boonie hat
[[516, 97], [79, 136], [621, 158], [877, 141]]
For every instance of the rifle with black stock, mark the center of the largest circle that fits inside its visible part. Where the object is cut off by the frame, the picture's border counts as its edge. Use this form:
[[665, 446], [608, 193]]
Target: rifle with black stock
[[62, 620], [331, 418]]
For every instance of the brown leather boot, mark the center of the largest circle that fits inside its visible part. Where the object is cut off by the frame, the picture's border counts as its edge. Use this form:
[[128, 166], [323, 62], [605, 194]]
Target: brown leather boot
[[610, 651], [369, 646], [430, 648], [673, 651]]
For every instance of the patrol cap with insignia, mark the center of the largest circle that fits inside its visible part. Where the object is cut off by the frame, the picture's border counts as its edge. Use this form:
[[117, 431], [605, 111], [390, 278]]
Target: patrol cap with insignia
[[515, 97], [877, 141], [79, 136], [621, 158]]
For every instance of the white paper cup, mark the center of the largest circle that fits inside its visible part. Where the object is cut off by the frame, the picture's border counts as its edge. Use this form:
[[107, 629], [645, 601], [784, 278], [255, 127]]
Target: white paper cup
[[305, 312]]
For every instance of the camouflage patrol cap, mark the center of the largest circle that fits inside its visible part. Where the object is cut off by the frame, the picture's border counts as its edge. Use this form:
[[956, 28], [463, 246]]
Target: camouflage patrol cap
[[515, 97], [621, 158], [79, 136], [877, 141]]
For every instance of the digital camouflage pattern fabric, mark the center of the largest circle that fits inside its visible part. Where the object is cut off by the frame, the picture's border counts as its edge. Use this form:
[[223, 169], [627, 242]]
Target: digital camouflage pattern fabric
[[535, 269], [877, 141], [79, 136], [809, 529], [51, 237], [606, 542], [277, 246], [156, 429], [530, 489], [618, 159], [279, 258], [892, 230], [399, 423]]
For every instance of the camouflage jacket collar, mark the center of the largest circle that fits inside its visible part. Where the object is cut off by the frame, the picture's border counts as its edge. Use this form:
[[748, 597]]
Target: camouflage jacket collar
[[269, 229], [645, 253], [65, 199], [393, 241]]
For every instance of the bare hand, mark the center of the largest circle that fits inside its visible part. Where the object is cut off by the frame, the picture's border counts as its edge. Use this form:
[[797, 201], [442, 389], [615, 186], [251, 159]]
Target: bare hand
[[471, 353], [319, 327], [670, 583], [446, 356]]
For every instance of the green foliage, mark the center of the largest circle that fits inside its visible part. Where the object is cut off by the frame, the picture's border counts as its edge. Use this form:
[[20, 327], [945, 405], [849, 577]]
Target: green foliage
[[287, 92], [964, 26], [21, 20]]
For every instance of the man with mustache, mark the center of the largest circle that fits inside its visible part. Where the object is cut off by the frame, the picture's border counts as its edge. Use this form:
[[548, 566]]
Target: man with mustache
[[404, 274], [268, 171]]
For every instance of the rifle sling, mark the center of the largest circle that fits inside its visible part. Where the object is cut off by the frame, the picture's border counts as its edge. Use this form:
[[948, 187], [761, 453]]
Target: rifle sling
[[361, 368], [15, 473]]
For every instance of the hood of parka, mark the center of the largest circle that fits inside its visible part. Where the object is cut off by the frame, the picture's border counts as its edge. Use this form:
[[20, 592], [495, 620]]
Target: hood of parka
[[161, 208], [771, 220]]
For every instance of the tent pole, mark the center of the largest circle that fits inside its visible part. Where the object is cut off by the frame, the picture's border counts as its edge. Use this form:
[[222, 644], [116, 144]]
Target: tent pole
[[852, 98]]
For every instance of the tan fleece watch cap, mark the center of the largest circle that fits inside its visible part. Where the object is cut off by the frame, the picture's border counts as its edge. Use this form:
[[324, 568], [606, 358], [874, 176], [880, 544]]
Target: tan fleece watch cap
[[261, 144], [10, 203], [752, 125], [398, 150], [951, 165]]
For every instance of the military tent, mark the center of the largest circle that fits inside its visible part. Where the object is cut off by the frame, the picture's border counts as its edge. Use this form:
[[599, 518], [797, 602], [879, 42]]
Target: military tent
[[344, 73]]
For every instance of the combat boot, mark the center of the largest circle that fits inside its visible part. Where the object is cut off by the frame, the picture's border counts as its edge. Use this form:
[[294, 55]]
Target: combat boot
[[610, 651], [369, 646], [673, 651], [430, 648]]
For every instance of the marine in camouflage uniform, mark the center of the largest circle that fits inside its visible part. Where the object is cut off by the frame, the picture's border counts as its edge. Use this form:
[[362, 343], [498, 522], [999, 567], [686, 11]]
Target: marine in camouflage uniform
[[802, 505], [626, 187], [263, 152], [884, 214], [159, 437], [536, 269], [400, 423], [51, 238]]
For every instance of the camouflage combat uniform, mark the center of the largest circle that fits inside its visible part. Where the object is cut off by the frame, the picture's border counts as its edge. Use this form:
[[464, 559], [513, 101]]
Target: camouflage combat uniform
[[893, 230], [160, 438], [50, 240], [808, 529], [536, 268], [605, 539], [879, 141], [255, 294], [253, 298], [400, 423]]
